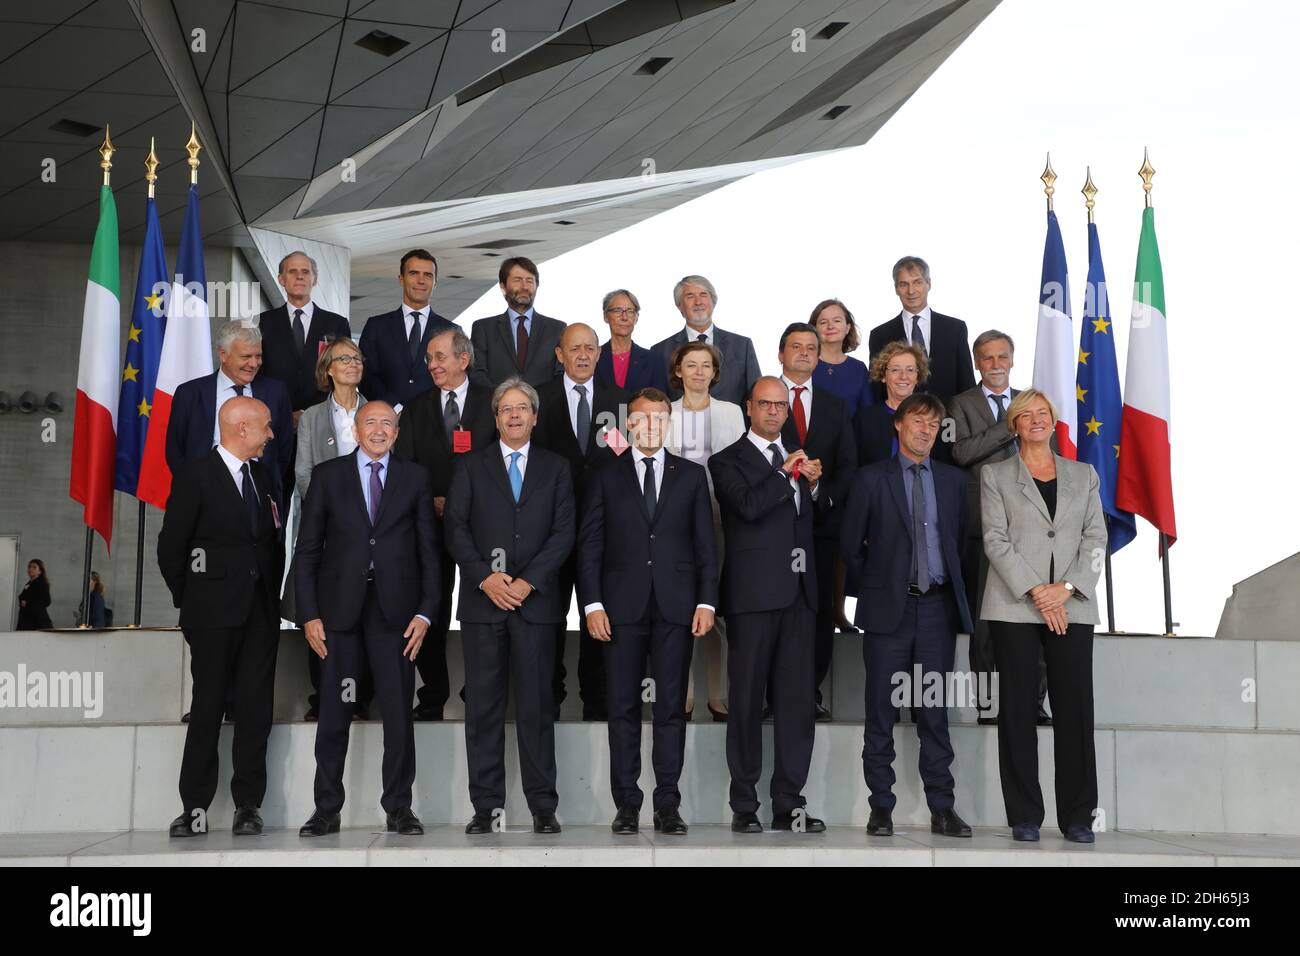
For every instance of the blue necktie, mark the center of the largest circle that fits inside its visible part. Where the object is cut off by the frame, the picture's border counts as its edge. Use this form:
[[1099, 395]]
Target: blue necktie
[[376, 492], [516, 476]]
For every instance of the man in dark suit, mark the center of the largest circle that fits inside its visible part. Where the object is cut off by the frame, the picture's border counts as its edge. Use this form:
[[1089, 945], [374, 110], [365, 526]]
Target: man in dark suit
[[366, 576], [394, 343], [295, 334], [902, 536], [822, 425], [451, 420], [943, 338], [219, 551], [521, 342], [510, 526], [769, 598], [647, 584], [577, 412], [982, 437], [696, 298], [193, 428]]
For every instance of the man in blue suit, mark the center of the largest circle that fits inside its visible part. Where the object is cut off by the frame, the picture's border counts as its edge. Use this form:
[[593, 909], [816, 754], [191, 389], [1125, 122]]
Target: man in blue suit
[[901, 537], [394, 343], [192, 431], [647, 584]]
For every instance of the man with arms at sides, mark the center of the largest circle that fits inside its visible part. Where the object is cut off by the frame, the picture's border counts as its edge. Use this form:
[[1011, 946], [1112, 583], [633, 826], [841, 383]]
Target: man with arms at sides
[[648, 584], [367, 572], [394, 343], [194, 428], [901, 536], [510, 526], [220, 553], [521, 342], [822, 425], [696, 299], [769, 596], [980, 424], [943, 338], [577, 410], [451, 420]]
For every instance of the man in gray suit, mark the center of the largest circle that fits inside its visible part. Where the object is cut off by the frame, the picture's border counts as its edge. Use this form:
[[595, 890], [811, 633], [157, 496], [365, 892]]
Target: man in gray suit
[[696, 299], [522, 342], [982, 437]]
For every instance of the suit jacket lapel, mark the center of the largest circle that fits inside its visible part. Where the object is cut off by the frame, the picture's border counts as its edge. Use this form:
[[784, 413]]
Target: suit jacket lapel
[[900, 495], [672, 477], [355, 484], [629, 470], [1030, 490]]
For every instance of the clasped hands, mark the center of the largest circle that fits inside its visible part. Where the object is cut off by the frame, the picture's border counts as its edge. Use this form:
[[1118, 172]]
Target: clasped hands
[[504, 591], [1050, 600], [810, 468]]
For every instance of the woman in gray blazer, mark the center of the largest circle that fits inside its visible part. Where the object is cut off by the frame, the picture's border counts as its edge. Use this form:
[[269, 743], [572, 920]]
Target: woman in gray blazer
[[701, 426], [1045, 538]]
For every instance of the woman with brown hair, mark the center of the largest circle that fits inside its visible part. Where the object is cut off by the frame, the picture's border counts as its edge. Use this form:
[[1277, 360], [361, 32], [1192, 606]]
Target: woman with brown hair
[[902, 366], [34, 599], [838, 372]]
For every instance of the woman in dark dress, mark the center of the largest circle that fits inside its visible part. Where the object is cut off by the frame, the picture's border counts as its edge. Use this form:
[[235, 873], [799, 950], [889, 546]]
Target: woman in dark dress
[[837, 371], [34, 600]]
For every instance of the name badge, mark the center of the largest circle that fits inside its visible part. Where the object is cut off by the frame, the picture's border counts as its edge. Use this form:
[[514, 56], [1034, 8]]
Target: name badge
[[275, 512], [321, 346], [461, 441]]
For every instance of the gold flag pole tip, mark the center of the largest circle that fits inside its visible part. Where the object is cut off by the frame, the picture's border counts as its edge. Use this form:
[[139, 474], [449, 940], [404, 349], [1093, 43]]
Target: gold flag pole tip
[[151, 165], [1089, 191], [1147, 172], [106, 151], [193, 148], [1049, 178]]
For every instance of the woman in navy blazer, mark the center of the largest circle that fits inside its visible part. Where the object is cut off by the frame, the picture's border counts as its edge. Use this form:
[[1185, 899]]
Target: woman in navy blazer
[[622, 362]]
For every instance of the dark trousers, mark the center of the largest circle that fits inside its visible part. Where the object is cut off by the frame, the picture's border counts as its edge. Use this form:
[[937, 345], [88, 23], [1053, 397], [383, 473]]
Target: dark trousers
[[432, 659], [365, 682], [591, 660], [380, 643], [669, 648], [1069, 678], [975, 571], [825, 551], [770, 650], [927, 635], [239, 663], [496, 654]]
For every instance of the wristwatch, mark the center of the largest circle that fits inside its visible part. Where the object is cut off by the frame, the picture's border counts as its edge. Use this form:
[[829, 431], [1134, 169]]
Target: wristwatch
[[1069, 587]]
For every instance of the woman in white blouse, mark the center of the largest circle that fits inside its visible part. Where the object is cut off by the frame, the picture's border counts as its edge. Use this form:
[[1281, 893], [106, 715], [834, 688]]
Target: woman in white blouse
[[325, 429], [702, 425]]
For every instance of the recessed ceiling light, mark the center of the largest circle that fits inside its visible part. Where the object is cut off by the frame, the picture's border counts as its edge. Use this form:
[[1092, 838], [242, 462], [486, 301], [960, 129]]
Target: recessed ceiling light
[[385, 44]]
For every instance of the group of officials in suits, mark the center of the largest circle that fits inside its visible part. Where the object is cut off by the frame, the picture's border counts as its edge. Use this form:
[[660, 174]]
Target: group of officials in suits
[[502, 453]]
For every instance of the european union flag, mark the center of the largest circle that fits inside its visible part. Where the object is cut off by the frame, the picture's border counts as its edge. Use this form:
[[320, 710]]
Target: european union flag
[[143, 349], [1100, 405]]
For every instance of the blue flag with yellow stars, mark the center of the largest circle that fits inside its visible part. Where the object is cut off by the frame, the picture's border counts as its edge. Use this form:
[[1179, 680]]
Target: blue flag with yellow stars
[[143, 349], [1100, 405]]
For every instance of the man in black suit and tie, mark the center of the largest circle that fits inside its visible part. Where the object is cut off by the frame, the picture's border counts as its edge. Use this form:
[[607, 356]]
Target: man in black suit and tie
[[578, 411], [902, 536], [510, 526], [394, 343], [453, 419], [943, 338], [647, 583], [769, 598], [696, 298], [366, 575], [522, 342], [193, 429], [219, 551], [822, 425], [979, 418]]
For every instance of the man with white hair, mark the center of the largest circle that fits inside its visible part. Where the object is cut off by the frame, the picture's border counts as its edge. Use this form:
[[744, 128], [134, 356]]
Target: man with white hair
[[696, 298]]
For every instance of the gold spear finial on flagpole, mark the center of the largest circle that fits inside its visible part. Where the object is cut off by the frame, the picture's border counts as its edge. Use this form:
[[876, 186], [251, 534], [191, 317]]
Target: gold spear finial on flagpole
[[1147, 172], [151, 168], [1048, 178], [1090, 194], [193, 147], [106, 152]]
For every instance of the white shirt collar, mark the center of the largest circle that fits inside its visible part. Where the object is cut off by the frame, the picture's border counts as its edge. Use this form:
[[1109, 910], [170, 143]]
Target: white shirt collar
[[307, 311], [407, 309], [461, 391], [924, 314], [761, 443], [507, 451], [364, 460], [225, 382], [693, 335], [569, 384], [989, 393], [233, 464], [807, 386], [638, 455]]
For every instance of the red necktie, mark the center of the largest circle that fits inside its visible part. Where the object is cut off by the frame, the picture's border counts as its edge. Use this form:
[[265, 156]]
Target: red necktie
[[800, 420], [521, 344]]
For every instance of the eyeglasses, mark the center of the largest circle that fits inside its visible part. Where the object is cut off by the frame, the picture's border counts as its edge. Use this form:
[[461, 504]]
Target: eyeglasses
[[765, 405], [512, 409], [349, 360], [910, 370], [621, 313]]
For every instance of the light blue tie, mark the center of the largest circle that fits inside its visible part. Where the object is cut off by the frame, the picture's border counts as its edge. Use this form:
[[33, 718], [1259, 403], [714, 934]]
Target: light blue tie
[[516, 476]]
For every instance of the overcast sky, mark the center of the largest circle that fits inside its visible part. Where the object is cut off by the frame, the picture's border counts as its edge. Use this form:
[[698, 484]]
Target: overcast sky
[[1209, 87]]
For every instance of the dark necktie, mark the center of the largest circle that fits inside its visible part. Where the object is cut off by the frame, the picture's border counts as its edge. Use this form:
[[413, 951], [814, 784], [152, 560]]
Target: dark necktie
[[413, 339], [1002, 408], [299, 331], [649, 486], [582, 427], [920, 554], [376, 491], [521, 344], [775, 451], [451, 414], [239, 389], [251, 507], [800, 419], [701, 337], [918, 338]]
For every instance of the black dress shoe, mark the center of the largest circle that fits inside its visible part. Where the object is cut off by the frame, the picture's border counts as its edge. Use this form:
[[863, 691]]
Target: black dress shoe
[[545, 822], [248, 822], [745, 823], [847, 628], [313, 713], [947, 823], [880, 823], [1080, 833], [786, 821], [669, 822], [183, 826], [719, 716], [822, 714], [426, 712], [625, 823], [320, 824], [480, 823], [1024, 833], [405, 823]]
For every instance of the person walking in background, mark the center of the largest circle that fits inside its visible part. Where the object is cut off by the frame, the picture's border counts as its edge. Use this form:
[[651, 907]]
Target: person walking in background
[[34, 599]]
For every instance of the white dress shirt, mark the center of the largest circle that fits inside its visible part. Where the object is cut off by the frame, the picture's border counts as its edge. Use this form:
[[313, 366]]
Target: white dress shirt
[[225, 392], [989, 396], [460, 391], [805, 398], [572, 395], [693, 335], [308, 311], [924, 316], [343, 420], [507, 451], [423, 315], [236, 469]]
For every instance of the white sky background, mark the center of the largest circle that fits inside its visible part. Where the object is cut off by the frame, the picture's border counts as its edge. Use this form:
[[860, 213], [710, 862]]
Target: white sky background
[[1209, 87]]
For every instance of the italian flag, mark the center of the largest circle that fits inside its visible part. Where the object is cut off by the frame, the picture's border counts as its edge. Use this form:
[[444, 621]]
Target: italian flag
[[94, 430], [1145, 482]]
